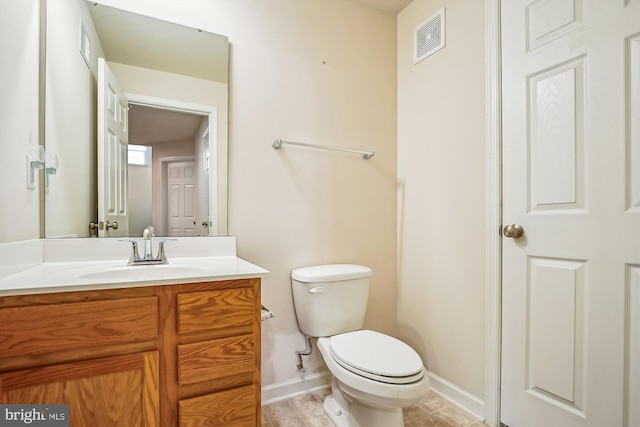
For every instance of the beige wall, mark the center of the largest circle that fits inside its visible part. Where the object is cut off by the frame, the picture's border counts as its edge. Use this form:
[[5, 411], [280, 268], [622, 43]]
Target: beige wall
[[19, 47], [139, 185], [441, 203], [71, 124], [163, 85]]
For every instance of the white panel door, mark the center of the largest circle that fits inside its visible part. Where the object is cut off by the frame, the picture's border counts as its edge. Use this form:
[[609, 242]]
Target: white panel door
[[113, 137], [182, 200], [571, 178]]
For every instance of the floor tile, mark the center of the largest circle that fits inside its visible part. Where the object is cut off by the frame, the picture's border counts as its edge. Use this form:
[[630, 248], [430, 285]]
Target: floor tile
[[432, 403], [279, 410], [306, 411], [291, 421], [316, 418], [453, 416], [427, 421], [412, 412], [305, 402]]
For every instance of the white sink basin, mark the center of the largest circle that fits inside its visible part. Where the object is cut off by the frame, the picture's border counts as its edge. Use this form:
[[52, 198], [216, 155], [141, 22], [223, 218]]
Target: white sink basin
[[118, 270]]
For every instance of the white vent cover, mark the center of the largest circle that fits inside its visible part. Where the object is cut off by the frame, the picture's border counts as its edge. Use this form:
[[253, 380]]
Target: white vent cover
[[429, 37]]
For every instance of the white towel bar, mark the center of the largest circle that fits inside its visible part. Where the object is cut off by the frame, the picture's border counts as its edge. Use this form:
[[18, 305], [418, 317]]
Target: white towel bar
[[365, 154]]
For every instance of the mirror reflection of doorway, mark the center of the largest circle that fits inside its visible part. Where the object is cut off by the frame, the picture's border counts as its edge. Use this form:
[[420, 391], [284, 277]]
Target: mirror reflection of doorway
[[159, 137]]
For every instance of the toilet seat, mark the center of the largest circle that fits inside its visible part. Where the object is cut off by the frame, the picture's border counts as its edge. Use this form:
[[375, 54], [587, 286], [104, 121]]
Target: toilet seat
[[377, 356]]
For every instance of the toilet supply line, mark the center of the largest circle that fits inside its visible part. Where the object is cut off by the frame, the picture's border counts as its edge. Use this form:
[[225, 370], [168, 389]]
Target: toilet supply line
[[306, 352]]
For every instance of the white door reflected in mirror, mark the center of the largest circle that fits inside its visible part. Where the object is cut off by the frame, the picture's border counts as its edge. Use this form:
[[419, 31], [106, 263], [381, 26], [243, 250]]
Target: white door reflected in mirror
[[113, 137]]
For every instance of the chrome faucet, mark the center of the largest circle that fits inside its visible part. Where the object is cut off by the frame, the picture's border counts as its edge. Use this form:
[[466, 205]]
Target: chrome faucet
[[147, 234]]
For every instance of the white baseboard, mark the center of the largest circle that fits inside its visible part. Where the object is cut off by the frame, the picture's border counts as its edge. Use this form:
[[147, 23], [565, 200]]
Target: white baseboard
[[457, 396], [276, 392], [463, 399]]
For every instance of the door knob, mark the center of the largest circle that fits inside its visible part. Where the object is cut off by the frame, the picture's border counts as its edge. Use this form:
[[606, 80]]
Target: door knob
[[113, 225], [514, 231]]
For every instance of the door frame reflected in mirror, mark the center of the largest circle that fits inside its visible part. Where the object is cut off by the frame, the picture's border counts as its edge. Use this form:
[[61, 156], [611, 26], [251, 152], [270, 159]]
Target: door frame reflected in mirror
[[216, 203]]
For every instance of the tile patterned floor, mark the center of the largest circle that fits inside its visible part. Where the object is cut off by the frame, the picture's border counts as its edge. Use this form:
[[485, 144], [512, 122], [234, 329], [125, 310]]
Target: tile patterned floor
[[306, 411]]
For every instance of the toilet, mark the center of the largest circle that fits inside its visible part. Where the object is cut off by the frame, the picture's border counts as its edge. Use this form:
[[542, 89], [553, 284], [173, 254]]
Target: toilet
[[373, 375]]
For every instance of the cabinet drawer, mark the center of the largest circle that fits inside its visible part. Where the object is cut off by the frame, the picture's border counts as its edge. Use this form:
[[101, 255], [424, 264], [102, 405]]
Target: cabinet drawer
[[237, 408], [45, 329], [219, 358], [216, 310]]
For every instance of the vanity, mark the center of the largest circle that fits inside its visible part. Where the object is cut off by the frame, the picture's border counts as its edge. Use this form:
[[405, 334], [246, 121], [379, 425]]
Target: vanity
[[173, 345]]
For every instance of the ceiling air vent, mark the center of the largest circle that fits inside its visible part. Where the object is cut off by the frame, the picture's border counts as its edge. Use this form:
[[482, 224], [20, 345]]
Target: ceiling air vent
[[429, 37]]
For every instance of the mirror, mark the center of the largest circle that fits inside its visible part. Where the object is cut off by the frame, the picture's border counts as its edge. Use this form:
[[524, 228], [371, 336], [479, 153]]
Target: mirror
[[172, 75]]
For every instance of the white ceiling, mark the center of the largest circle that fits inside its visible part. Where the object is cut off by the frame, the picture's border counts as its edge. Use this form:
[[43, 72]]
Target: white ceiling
[[141, 41], [149, 126], [393, 6]]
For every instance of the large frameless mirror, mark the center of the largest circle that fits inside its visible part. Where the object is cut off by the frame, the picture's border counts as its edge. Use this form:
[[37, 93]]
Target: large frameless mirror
[[168, 169]]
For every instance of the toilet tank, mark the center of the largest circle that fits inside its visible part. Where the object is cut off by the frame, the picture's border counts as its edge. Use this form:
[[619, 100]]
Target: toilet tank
[[330, 299]]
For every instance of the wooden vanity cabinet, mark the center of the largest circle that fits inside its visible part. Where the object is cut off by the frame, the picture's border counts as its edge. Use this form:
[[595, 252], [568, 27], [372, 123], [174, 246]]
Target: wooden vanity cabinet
[[161, 356]]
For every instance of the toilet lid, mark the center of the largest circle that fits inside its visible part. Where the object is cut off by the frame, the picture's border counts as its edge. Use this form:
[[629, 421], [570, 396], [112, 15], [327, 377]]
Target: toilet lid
[[377, 356]]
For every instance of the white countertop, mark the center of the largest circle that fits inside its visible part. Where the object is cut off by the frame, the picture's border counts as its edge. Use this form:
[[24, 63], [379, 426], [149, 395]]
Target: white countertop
[[92, 275], [75, 272]]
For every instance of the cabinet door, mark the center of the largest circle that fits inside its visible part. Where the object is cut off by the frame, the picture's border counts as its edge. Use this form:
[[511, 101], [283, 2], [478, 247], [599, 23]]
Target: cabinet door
[[108, 392]]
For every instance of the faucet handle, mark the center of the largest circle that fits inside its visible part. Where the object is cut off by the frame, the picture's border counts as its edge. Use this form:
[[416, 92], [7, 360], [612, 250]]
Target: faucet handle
[[161, 254], [148, 232], [134, 250]]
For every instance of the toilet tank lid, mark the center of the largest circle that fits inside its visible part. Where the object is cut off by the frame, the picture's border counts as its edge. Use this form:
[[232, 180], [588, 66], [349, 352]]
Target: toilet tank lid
[[330, 273]]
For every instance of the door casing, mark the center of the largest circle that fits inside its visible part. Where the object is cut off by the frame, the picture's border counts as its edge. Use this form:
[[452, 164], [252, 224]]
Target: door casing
[[493, 262]]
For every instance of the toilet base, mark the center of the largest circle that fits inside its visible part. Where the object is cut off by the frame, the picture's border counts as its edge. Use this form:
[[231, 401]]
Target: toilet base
[[345, 413], [338, 415]]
